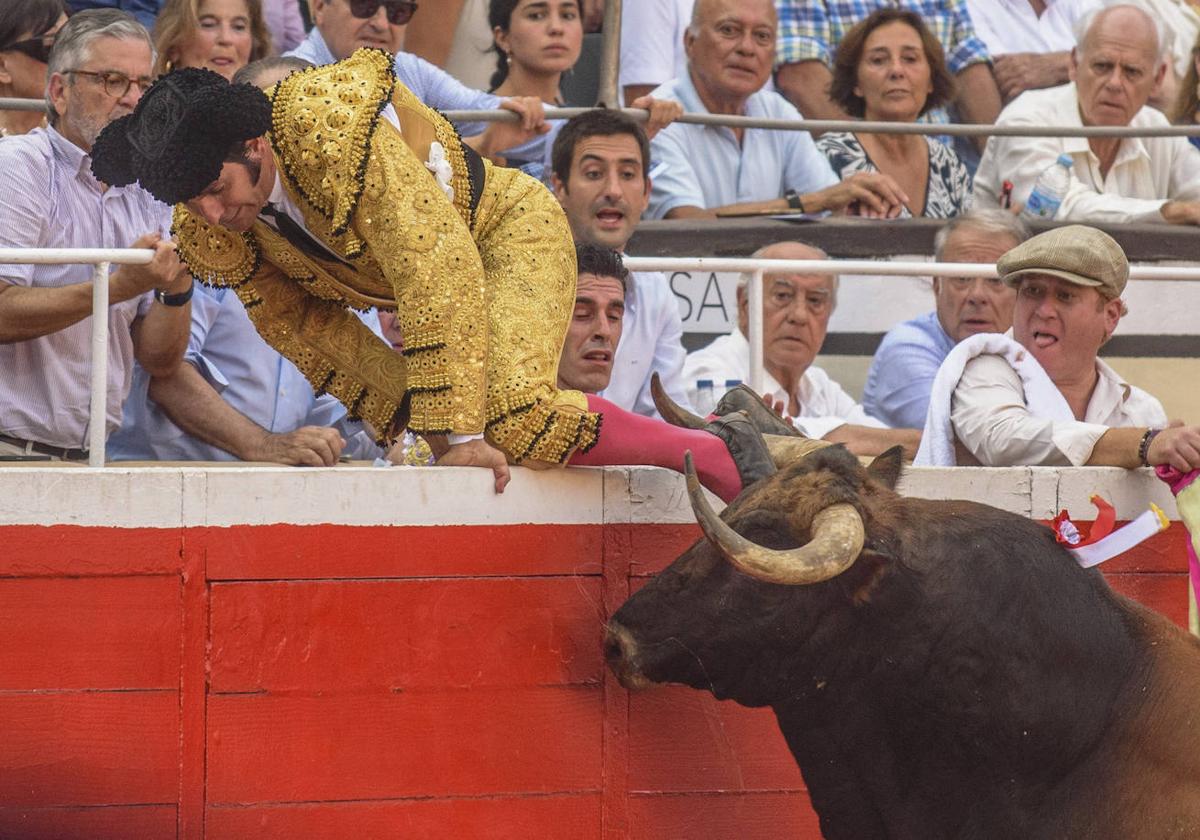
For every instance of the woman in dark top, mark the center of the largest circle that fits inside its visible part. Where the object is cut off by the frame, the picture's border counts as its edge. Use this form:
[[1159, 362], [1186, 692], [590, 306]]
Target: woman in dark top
[[890, 68]]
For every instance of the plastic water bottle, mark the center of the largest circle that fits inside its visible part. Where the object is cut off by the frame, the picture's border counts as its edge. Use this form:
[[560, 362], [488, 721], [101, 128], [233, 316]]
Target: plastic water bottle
[[1049, 190], [706, 400]]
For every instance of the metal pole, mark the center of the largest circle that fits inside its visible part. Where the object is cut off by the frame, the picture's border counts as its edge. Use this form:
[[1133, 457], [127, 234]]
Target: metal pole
[[754, 301], [98, 415], [610, 56]]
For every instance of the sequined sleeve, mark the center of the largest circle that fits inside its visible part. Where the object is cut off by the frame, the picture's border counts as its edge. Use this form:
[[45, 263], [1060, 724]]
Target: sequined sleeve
[[334, 349], [425, 249]]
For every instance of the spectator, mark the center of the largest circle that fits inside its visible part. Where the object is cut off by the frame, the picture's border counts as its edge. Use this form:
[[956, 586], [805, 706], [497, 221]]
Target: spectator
[[267, 71], [811, 30], [1186, 108], [222, 35], [601, 165], [652, 44], [1046, 398], [145, 11], [284, 22], [908, 358], [342, 26], [235, 397], [27, 32], [796, 310], [890, 68], [98, 69], [710, 170], [1148, 179], [595, 330], [536, 41], [1030, 41]]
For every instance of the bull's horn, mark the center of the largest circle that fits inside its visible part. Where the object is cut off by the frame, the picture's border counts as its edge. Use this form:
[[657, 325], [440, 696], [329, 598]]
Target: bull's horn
[[788, 450], [837, 539], [671, 411]]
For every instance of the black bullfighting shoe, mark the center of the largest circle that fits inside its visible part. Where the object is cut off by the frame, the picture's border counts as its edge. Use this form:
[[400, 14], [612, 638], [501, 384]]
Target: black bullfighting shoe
[[746, 445], [743, 398]]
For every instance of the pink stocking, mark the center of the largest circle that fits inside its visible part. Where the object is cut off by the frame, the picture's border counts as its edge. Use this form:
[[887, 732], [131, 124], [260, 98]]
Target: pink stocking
[[628, 439]]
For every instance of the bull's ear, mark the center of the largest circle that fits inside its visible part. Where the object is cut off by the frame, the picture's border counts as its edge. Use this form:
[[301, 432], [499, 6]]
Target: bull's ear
[[886, 468]]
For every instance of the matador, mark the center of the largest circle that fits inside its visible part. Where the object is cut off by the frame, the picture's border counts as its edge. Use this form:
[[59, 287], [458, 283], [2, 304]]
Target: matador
[[337, 189]]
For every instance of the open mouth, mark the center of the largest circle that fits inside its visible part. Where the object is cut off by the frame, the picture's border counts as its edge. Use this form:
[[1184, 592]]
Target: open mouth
[[598, 357], [1042, 340], [610, 218]]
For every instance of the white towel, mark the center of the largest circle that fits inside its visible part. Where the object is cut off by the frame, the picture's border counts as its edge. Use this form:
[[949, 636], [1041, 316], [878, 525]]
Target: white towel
[[1041, 394]]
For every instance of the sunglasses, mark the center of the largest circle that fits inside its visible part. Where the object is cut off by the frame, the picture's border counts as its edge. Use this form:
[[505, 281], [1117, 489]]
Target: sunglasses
[[36, 48], [399, 12]]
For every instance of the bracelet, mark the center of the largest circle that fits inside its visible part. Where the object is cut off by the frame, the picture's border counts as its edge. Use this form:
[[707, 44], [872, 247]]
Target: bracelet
[[177, 299], [793, 200], [1144, 446]]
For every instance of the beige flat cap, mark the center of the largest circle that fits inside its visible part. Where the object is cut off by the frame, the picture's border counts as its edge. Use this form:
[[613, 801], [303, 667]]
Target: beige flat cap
[[1076, 253]]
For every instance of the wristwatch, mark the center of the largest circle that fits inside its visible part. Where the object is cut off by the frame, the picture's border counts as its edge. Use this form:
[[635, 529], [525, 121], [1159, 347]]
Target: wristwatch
[[793, 200], [177, 299]]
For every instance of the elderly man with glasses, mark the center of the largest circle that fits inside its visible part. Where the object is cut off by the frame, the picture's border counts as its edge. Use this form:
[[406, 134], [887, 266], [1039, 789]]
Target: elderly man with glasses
[[796, 311], [98, 69]]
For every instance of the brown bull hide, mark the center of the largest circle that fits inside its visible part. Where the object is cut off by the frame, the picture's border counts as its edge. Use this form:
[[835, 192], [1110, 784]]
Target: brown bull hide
[[963, 678]]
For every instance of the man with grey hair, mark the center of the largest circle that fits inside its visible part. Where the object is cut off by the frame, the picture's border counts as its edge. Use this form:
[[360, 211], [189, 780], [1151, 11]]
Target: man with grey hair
[[1115, 66], [796, 310], [98, 69], [908, 358]]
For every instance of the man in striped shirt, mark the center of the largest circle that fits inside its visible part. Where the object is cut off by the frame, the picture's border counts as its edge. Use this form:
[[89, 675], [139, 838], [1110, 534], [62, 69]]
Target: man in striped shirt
[[49, 198]]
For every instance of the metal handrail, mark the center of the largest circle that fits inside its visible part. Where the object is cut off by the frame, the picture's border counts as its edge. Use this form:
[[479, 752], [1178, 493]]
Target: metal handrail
[[812, 126], [101, 258]]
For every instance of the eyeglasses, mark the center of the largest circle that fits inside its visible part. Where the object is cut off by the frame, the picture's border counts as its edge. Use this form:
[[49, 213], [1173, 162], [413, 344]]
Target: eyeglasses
[[399, 12], [116, 84], [36, 48]]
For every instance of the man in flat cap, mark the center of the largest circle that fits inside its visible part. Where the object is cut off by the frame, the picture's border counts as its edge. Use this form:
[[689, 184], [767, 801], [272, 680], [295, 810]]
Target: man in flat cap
[[343, 191], [1044, 397]]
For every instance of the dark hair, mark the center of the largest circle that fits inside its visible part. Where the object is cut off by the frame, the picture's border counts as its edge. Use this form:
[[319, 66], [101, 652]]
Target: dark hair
[[256, 70], [32, 16], [500, 15], [598, 122], [601, 261], [850, 50]]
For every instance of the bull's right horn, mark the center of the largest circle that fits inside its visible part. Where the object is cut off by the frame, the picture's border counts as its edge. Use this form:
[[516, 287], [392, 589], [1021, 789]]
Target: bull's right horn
[[837, 540], [671, 411]]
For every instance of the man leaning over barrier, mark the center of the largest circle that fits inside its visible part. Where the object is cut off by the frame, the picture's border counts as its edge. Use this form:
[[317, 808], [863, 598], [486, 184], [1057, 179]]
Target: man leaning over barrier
[[1044, 397], [343, 191], [99, 67]]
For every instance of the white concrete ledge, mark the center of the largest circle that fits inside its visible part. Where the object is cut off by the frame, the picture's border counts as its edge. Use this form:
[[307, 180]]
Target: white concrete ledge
[[190, 496]]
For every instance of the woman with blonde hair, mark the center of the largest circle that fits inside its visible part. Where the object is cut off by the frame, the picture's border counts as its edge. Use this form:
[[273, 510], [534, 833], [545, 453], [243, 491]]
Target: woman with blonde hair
[[220, 35]]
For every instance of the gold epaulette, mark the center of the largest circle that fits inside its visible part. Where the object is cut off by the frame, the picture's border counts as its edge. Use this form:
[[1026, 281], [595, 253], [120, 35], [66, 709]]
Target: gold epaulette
[[215, 256]]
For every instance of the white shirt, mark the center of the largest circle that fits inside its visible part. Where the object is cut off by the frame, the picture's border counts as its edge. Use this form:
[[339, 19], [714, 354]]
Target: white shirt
[[652, 41], [824, 406], [651, 340], [705, 166], [1147, 172], [992, 421], [1011, 26]]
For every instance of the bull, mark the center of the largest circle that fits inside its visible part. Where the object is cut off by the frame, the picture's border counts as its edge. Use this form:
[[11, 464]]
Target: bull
[[939, 669]]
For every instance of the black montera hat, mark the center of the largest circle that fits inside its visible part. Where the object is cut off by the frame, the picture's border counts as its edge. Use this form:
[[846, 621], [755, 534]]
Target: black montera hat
[[180, 133]]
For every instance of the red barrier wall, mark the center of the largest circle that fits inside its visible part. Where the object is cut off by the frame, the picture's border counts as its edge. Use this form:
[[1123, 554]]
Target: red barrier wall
[[277, 680]]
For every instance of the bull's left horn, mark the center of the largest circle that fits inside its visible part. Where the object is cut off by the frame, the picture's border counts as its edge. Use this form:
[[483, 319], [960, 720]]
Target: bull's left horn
[[837, 540]]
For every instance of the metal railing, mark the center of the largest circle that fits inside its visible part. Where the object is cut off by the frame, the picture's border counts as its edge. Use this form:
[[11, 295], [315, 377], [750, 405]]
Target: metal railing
[[101, 259], [812, 126]]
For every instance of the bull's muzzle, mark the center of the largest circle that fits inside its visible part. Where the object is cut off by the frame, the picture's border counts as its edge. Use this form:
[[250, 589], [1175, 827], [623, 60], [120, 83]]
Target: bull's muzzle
[[620, 651]]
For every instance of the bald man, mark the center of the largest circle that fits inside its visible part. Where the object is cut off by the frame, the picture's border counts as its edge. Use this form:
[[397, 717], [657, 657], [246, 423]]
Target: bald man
[[1117, 61], [706, 170], [796, 310]]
